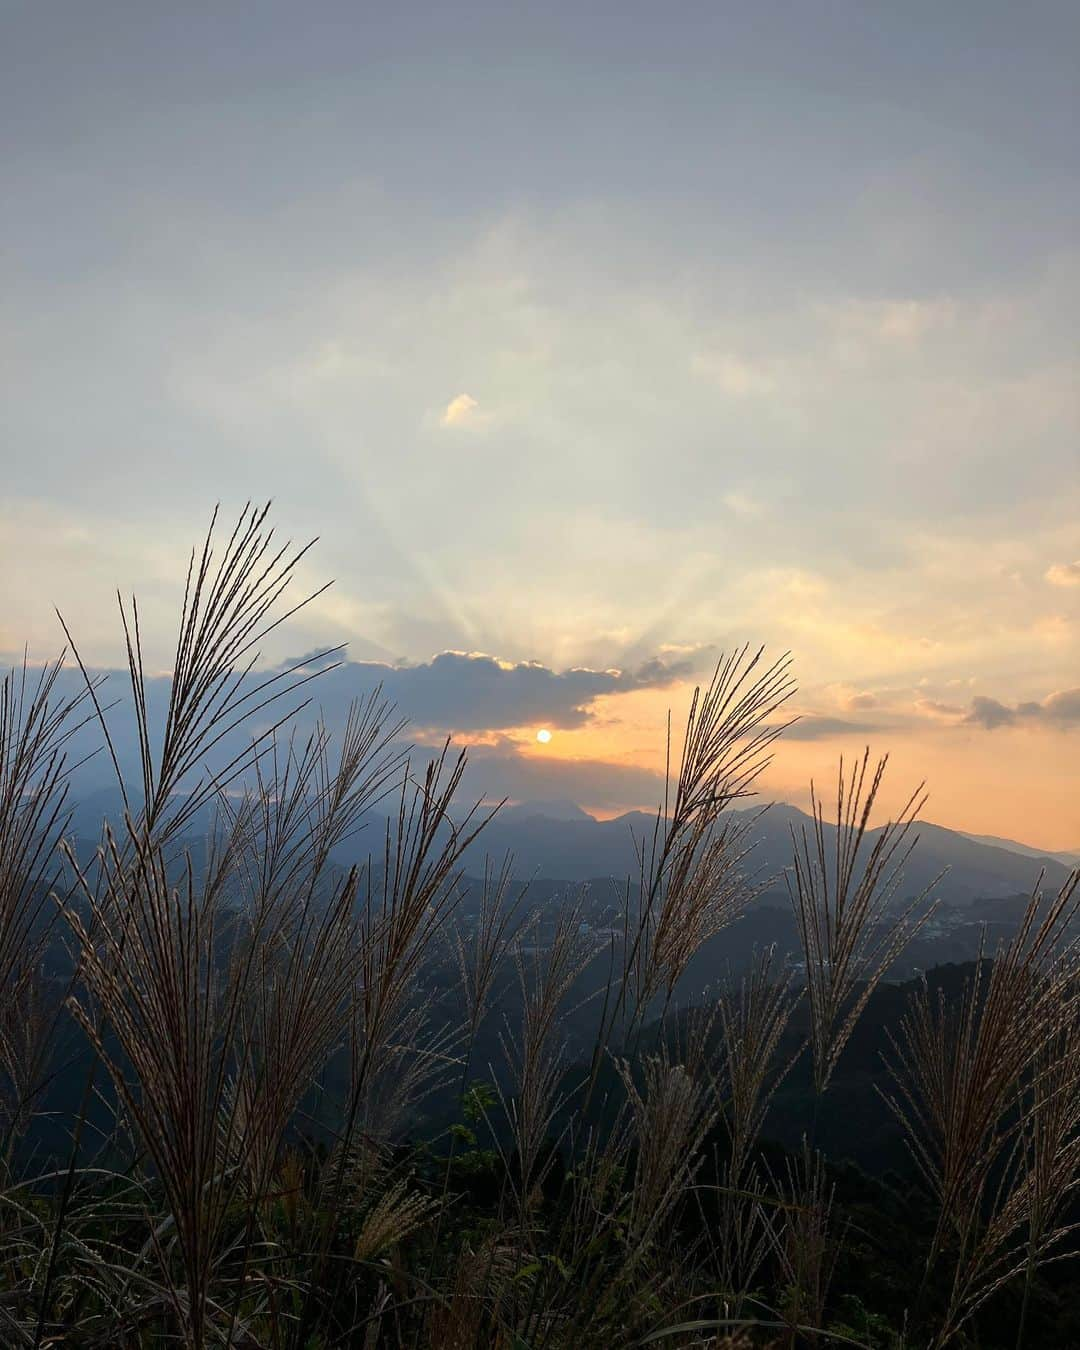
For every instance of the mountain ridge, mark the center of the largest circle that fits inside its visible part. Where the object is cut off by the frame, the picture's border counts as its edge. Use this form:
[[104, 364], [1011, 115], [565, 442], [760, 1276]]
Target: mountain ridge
[[580, 848], [576, 847], [1070, 857]]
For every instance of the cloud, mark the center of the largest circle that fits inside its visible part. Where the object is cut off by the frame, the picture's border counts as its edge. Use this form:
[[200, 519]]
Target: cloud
[[470, 691], [813, 728], [989, 713], [1059, 709], [1064, 574], [1063, 707], [734, 375], [932, 708], [454, 692], [459, 411], [739, 504], [893, 321]]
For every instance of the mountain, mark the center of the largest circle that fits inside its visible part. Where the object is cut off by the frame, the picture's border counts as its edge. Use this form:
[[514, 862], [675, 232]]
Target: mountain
[[556, 840], [556, 809], [1069, 856], [575, 849]]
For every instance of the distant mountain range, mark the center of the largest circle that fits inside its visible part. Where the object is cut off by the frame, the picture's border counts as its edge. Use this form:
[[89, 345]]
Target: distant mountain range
[[1070, 856], [558, 841]]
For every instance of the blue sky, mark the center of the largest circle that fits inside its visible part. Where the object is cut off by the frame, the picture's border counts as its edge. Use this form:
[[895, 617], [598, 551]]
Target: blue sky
[[583, 335]]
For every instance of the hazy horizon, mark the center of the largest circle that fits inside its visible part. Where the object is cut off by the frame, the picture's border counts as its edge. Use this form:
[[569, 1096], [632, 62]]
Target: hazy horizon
[[592, 341]]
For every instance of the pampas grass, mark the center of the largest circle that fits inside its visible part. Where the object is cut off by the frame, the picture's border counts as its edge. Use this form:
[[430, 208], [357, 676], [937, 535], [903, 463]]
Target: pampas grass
[[269, 1022]]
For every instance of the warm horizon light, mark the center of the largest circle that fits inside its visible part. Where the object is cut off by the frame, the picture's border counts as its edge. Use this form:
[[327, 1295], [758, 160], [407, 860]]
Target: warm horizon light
[[543, 735]]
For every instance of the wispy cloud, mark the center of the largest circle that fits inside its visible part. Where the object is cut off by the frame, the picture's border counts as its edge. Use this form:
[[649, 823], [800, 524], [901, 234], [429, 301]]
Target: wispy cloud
[[814, 728], [947, 712], [742, 505], [903, 321], [459, 411], [735, 375], [1064, 574]]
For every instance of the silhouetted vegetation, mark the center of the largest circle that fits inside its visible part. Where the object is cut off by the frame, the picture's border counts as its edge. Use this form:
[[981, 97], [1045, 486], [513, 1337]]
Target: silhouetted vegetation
[[251, 1097]]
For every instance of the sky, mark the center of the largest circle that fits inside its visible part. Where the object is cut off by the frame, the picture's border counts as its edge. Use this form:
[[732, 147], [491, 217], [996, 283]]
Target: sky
[[592, 340]]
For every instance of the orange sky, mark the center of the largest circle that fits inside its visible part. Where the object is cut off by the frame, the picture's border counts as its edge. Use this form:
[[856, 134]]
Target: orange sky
[[1017, 782]]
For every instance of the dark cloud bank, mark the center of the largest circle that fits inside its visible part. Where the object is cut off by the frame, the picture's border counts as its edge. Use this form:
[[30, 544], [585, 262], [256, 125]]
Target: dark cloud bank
[[1061, 710], [455, 693], [459, 691]]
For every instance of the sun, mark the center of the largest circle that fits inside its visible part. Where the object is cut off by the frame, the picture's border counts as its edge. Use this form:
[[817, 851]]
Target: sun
[[543, 735]]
